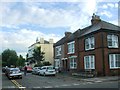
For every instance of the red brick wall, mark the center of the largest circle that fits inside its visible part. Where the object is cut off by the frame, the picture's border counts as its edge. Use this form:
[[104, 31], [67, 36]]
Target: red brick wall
[[101, 54]]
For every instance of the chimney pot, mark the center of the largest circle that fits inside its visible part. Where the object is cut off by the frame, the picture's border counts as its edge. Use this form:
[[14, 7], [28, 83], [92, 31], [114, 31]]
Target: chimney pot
[[95, 19], [67, 33], [41, 40]]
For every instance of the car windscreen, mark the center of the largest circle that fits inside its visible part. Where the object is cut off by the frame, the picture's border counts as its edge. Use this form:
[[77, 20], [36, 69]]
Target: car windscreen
[[50, 68], [39, 68], [15, 69]]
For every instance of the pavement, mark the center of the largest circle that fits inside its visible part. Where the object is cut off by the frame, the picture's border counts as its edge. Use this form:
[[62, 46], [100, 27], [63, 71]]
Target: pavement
[[102, 79], [93, 79]]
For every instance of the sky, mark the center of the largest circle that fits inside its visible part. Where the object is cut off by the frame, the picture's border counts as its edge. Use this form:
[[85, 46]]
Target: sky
[[22, 21]]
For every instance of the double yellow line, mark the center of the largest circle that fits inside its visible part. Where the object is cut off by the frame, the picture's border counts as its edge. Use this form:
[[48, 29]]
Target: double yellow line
[[18, 85]]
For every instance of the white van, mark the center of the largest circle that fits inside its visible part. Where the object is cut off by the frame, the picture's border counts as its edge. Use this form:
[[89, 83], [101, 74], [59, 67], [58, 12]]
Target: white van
[[47, 70]]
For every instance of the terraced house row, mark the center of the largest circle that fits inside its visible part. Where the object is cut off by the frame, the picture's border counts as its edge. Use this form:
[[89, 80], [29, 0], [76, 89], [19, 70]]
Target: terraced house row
[[93, 48]]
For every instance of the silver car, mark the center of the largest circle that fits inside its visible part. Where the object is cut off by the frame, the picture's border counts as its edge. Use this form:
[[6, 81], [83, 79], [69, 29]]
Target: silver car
[[13, 73], [47, 70], [35, 70]]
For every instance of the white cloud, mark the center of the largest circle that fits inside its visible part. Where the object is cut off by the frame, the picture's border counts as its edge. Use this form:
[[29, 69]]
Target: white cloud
[[57, 0], [75, 18], [48, 17], [105, 6], [20, 40], [111, 5], [106, 13], [116, 5], [115, 22]]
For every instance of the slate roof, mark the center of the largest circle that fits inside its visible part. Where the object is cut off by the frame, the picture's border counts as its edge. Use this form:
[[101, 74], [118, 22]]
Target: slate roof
[[98, 26], [92, 28], [74, 35], [60, 42]]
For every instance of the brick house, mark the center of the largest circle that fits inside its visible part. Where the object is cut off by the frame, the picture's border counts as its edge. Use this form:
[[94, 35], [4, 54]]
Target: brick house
[[95, 48]]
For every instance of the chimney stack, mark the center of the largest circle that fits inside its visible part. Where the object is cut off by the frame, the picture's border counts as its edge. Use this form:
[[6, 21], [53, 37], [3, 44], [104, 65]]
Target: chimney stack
[[50, 41], [67, 33], [41, 40], [95, 19]]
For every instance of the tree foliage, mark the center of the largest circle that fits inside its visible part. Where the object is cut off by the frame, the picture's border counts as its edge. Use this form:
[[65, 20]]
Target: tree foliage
[[46, 63], [38, 55], [9, 57], [20, 61]]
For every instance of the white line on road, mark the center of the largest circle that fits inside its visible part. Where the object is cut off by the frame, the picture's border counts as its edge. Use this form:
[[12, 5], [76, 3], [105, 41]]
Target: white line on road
[[76, 84], [48, 87], [97, 81], [65, 85]]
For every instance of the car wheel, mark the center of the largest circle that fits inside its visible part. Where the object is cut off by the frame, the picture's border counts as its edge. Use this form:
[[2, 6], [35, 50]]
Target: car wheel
[[44, 74], [53, 74], [39, 74], [20, 77], [9, 78]]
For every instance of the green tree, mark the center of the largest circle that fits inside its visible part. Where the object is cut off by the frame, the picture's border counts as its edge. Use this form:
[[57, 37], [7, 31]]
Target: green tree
[[9, 57], [27, 57], [46, 63], [38, 55], [20, 61]]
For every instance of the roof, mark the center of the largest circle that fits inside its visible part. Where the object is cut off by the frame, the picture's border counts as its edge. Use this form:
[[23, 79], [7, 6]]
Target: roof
[[98, 26], [61, 41], [90, 29], [45, 42], [74, 35]]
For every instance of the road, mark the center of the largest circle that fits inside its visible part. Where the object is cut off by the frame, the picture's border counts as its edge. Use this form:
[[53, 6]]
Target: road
[[58, 81]]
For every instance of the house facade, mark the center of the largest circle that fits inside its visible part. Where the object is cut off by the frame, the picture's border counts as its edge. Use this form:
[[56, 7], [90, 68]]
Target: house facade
[[94, 48], [46, 46]]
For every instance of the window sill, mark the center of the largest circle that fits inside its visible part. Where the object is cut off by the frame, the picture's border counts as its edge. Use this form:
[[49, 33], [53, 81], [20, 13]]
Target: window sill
[[71, 53], [115, 68], [113, 47], [89, 49], [58, 55], [73, 68]]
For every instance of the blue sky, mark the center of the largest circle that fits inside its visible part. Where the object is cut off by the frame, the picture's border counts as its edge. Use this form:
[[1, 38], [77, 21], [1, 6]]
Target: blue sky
[[22, 22]]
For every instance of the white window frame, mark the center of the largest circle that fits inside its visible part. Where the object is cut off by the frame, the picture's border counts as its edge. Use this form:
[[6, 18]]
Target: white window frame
[[73, 63], [71, 47], [113, 39], [90, 61], [57, 63], [113, 58], [90, 43], [58, 50]]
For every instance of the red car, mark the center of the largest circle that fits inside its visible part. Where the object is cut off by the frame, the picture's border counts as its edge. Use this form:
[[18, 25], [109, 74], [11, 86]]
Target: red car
[[29, 69]]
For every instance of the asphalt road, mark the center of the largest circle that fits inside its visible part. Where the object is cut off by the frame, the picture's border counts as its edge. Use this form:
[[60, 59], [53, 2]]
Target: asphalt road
[[58, 81]]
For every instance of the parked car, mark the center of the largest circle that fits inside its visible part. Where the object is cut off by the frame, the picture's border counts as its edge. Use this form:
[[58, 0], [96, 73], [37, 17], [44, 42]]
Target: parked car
[[35, 70], [4, 69], [47, 70], [13, 73]]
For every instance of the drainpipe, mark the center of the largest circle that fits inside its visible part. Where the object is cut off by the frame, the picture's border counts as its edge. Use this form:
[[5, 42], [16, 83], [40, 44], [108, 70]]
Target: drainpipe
[[103, 59]]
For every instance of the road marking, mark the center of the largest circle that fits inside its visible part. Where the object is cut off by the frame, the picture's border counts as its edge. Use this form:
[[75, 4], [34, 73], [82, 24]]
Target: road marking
[[76, 84], [48, 87], [97, 81], [18, 85]]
